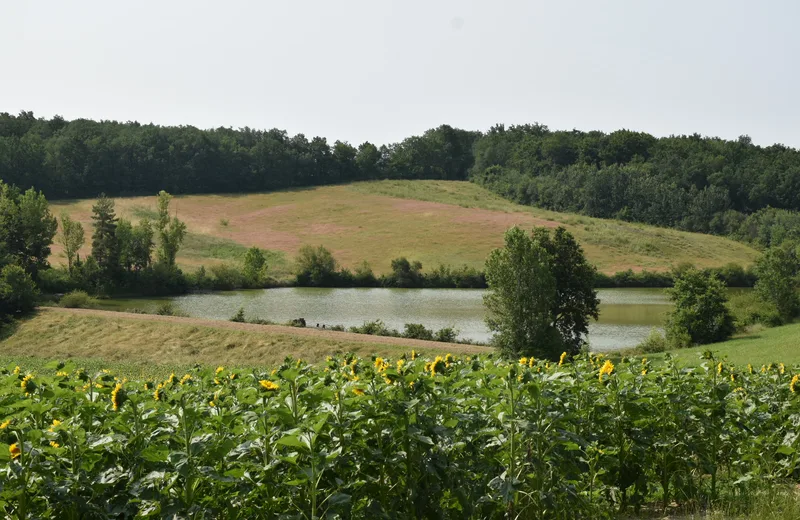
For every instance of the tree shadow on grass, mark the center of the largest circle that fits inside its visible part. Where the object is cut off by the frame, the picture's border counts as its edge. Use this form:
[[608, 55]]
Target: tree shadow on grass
[[9, 326]]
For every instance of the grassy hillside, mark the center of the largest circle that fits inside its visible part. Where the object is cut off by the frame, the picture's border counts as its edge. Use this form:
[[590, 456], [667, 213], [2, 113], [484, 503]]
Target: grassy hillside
[[434, 222], [777, 345], [141, 344]]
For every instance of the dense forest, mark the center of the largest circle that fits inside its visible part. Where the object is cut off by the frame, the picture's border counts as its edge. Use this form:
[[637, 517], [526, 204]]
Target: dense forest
[[689, 182]]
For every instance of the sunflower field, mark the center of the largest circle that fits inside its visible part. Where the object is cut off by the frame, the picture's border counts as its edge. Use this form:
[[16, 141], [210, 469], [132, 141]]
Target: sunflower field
[[407, 438]]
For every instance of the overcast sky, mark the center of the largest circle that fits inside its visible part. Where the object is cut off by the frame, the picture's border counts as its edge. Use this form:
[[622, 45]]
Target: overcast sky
[[380, 71]]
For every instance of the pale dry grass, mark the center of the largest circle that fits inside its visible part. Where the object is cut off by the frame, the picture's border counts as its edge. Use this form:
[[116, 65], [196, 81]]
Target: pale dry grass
[[168, 340], [435, 222]]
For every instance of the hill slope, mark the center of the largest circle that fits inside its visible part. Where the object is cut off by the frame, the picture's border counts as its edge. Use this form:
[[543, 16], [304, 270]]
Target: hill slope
[[143, 343], [435, 222]]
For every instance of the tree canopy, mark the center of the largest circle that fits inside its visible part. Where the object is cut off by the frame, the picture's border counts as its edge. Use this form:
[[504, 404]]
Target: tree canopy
[[541, 294]]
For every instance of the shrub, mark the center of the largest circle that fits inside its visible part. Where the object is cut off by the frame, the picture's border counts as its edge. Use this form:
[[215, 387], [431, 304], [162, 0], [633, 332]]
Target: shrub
[[446, 335], [375, 328], [166, 309], [18, 292], [700, 314], [417, 331], [77, 300], [655, 342], [297, 322], [239, 316], [316, 267], [226, 277]]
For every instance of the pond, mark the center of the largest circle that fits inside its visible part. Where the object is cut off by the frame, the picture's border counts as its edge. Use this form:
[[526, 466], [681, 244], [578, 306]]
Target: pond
[[626, 315]]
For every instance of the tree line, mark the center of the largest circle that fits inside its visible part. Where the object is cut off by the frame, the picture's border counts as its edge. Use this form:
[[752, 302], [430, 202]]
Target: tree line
[[83, 158], [695, 183]]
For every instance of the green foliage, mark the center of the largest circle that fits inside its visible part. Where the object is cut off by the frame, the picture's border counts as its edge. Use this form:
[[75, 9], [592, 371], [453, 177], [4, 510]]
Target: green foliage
[[575, 300], [375, 328], [405, 273], [522, 291], [654, 342], [27, 229], [255, 266], [18, 292], [239, 316], [417, 331], [448, 438], [315, 267], [72, 238], [779, 280], [166, 309], [700, 314], [171, 232], [77, 300], [541, 294], [105, 248]]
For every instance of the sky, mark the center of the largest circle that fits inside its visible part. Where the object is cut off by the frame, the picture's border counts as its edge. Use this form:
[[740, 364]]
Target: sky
[[376, 70]]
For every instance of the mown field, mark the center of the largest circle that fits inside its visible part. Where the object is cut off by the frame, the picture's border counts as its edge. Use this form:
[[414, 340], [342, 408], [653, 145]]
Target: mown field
[[435, 222], [142, 345], [407, 437]]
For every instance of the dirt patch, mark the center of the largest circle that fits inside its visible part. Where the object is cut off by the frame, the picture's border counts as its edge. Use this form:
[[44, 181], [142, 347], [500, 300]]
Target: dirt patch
[[501, 219]]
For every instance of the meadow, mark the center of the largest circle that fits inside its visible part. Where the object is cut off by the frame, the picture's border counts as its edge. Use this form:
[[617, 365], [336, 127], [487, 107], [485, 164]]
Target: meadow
[[407, 437], [460, 222]]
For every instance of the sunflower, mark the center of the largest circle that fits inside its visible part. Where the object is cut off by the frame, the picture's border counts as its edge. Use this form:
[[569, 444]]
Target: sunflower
[[437, 366], [607, 368], [56, 424], [269, 385], [523, 361], [15, 451], [26, 384], [793, 384], [358, 391], [218, 370], [5, 424], [562, 358], [413, 355], [54, 444], [159, 393], [117, 396]]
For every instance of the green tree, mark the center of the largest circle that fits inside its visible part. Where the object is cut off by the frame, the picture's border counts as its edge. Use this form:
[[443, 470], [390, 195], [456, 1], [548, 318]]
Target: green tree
[[778, 272], [521, 297], [105, 248], [18, 292], [72, 238], [315, 267], [255, 266], [171, 232], [700, 314], [141, 248], [27, 228], [405, 273], [576, 299]]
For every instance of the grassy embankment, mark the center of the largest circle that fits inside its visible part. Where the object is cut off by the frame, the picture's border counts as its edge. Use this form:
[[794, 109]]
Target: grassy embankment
[[776, 345], [435, 222], [146, 345]]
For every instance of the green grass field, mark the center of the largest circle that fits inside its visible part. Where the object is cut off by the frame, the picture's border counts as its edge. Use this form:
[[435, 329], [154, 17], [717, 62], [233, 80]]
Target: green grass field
[[761, 347], [435, 222]]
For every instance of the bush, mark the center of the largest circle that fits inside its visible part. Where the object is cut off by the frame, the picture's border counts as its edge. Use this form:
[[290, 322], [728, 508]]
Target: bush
[[417, 331], [226, 277], [446, 335], [297, 322], [375, 328], [654, 343], [239, 316], [56, 281], [18, 292], [77, 300], [166, 309], [700, 314]]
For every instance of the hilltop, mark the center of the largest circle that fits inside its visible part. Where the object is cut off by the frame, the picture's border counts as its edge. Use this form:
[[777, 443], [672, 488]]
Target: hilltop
[[435, 222]]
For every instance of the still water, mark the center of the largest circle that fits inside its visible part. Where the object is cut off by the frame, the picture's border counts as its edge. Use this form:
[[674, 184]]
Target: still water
[[626, 315]]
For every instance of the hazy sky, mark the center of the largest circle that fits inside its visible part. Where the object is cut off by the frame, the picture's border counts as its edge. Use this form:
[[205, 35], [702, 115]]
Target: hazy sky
[[380, 71]]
